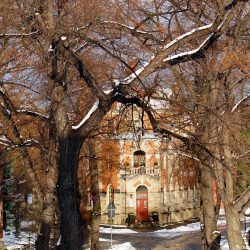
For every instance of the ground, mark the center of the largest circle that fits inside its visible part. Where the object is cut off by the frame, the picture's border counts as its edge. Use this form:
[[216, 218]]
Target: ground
[[175, 237], [186, 237]]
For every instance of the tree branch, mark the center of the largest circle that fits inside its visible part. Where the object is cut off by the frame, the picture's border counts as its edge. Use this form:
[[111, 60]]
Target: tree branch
[[243, 201], [18, 35]]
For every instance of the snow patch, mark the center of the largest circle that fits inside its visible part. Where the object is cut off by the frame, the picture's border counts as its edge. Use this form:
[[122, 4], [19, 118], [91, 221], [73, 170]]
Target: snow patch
[[247, 212], [187, 228], [224, 244], [13, 242], [116, 231], [108, 91], [102, 239], [123, 246], [51, 48]]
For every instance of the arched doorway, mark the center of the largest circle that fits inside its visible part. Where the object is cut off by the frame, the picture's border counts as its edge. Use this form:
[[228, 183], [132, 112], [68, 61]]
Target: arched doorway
[[142, 203]]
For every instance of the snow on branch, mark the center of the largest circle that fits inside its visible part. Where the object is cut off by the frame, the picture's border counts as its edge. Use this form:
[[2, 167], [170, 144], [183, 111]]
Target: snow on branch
[[242, 155], [187, 34], [9, 108], [157, 60], [162, 58], [91, 111], [16, 35], [134, 31], [10, 145], [192, 54], [198, 52], [239, 103], [32, 113], [5, 141]]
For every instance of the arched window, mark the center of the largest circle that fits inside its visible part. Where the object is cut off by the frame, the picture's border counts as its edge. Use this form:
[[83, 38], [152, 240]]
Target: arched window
[[139, 159]]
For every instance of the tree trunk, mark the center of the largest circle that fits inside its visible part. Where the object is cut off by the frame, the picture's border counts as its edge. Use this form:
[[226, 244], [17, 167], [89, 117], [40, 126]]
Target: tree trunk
[[232, 216], [235, 239], [68, 193], [208, 211], [95, 192], [42, 242], [50, 200]]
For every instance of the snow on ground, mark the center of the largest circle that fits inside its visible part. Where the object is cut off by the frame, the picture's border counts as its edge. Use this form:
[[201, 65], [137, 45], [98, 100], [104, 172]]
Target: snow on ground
[[107, 230], [13, 242], [224, 243], [123, 246], [169, 233]]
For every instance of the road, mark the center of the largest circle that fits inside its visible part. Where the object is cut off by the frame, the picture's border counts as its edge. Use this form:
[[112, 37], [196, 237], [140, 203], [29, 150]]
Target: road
[[142, 241], [151, 239], [147, 239]]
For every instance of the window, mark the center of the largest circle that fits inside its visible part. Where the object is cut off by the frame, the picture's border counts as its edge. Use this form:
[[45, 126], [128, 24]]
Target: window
[[139, 159]]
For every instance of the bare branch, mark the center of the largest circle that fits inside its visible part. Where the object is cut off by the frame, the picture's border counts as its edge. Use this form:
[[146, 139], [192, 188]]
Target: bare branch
[[242, 201], [240, 103], [18, 35], [239, 156], [84, 72], [32, 113]]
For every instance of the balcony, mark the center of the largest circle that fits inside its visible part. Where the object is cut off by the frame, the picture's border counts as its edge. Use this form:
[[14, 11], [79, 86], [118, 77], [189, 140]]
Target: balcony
[[150, 171]]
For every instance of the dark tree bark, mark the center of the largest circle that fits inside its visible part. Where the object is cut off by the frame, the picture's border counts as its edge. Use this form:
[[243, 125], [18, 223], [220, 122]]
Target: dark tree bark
[[42, 242], [68, 193]]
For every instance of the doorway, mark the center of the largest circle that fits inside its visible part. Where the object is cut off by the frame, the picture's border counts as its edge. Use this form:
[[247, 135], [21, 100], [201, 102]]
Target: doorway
[[142, 203]]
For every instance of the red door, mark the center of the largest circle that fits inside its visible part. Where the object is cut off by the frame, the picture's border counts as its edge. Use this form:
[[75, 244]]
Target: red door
[[142, 203]]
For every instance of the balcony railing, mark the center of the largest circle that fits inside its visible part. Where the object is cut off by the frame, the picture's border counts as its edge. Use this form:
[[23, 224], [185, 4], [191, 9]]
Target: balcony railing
[[154, 172]]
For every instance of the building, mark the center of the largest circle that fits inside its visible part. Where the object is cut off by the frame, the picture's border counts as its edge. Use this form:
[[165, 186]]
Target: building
[[145, 174]]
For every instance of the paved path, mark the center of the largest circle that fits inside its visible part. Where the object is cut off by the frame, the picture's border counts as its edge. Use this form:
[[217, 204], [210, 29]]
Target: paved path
[[145, 239], [149, 241], [140, 241]]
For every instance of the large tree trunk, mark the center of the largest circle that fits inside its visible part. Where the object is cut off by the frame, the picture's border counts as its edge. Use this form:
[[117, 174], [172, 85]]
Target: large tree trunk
[[233, 218], [208, 218], [50, 200], [95, 192], [68, 193], [235, 239]]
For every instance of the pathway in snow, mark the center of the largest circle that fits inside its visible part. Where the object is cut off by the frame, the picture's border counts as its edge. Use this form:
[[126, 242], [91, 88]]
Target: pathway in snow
[[180, 238], [185, 237]]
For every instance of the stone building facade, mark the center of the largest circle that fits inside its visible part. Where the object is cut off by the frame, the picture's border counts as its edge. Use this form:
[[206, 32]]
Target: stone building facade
[[151, 176]]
